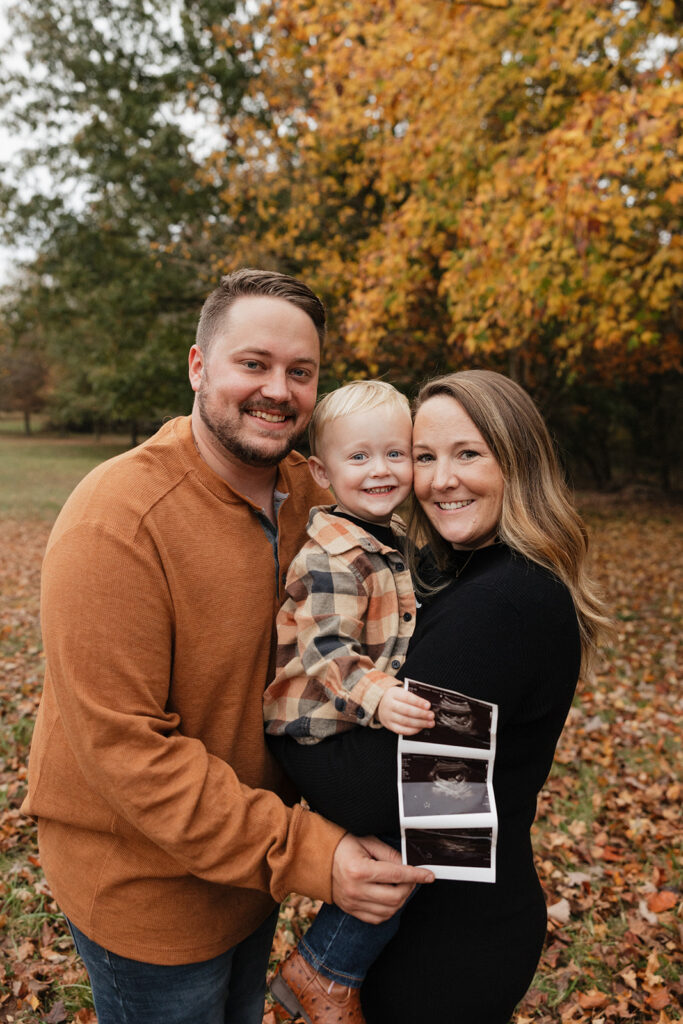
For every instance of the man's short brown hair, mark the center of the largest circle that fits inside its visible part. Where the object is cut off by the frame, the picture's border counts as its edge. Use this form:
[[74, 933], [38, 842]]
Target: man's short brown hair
[[247, 282]]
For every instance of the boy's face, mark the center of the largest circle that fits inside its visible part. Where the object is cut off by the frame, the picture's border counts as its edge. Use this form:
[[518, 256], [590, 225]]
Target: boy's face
[[366, 459]]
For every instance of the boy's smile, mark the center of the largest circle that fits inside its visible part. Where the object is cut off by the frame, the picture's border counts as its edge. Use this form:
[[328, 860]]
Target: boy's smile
[[366, 459]]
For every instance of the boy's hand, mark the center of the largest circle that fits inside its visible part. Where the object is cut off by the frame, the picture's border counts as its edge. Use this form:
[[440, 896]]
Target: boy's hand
[[404, 712]]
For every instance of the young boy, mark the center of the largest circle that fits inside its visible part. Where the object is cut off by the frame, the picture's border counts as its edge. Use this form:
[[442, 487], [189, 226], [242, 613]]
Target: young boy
[[343, 633]]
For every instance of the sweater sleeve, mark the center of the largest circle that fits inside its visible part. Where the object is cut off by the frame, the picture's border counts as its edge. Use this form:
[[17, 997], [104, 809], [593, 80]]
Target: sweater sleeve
[[108, 626]]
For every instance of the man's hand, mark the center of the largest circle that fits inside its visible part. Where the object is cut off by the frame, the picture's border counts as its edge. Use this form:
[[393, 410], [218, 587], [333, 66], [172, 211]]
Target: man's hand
[[404, 712], [368, 879]]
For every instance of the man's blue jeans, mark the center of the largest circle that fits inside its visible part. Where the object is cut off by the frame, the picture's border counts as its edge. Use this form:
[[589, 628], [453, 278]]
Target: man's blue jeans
[[229, 989]]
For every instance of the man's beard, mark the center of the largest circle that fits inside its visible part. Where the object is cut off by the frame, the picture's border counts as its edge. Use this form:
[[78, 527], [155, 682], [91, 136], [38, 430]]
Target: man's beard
[[226, 436]]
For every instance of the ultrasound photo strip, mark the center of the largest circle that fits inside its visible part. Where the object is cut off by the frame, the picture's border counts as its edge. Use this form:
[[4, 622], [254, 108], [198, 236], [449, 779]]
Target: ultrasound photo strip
[[445, 787]]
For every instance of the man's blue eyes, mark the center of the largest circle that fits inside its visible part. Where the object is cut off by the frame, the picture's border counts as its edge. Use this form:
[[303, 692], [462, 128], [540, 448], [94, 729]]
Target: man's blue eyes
[[298, 372]]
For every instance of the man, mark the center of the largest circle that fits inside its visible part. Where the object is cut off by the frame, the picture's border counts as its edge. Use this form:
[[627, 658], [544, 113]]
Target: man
[[160, 830]]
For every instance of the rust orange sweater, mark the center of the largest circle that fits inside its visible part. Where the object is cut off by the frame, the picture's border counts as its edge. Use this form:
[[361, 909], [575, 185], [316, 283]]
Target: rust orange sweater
[[160, 830]]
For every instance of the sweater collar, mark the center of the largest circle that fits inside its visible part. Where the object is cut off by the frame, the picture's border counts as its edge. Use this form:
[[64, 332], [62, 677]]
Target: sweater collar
[[339, 535]]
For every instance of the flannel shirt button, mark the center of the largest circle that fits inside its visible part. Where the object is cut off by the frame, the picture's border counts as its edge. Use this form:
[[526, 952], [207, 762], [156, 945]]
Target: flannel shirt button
[[360, 713], [396, 663], [407, 616], [340, 704], [400, 567]]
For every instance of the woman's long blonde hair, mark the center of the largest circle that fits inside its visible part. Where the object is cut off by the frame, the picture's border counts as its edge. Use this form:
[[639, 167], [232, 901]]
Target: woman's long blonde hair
[[538, 518]]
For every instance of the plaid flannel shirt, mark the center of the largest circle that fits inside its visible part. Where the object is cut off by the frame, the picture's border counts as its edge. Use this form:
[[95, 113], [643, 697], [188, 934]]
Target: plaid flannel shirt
[[343, 631]]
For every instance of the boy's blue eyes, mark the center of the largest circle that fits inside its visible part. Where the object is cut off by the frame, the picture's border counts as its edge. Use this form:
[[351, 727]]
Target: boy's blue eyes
[[394, 454]]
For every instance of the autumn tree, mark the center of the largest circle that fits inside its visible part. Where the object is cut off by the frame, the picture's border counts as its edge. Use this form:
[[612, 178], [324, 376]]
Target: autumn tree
[[480, 183], [115, 96], [24, 371]]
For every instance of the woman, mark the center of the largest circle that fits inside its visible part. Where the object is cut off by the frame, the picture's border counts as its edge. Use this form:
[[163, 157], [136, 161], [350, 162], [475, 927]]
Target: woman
[[509, 616]]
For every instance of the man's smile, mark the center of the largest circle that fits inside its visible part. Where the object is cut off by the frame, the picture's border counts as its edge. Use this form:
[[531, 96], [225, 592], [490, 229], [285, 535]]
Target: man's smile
[[269, 417]]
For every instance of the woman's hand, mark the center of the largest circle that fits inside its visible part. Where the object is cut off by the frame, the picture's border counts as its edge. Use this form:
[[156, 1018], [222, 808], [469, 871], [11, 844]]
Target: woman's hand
[[404, 712]]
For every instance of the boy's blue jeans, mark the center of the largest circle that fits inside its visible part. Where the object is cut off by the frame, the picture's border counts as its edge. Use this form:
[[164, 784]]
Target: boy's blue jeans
[[228, 989], [330, 775], [341, 947]]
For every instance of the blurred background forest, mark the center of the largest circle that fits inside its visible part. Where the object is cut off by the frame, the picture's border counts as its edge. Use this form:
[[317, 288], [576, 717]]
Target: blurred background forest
[[492, 183]]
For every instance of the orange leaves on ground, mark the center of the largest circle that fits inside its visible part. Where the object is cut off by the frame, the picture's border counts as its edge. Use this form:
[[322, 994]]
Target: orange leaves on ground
[[42, 953], [21, 668], [661, 901], [606, 833], [607, 830], [593, 999]]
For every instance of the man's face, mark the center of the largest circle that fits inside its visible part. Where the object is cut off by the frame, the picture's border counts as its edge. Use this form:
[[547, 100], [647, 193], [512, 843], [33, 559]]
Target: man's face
[[257, 386]]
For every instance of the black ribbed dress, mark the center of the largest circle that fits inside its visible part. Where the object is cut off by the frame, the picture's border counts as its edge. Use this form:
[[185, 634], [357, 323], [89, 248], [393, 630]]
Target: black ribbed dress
[[504, 631]]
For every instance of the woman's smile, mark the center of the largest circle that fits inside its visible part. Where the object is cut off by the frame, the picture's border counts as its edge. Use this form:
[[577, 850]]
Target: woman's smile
[[451, 506]]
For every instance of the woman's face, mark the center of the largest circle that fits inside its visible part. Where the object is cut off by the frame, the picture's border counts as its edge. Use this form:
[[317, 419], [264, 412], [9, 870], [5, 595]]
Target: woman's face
[[457, 480]]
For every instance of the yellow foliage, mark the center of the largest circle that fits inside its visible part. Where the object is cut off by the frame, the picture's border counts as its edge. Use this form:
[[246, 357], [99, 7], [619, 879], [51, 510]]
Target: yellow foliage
[[465, 179]]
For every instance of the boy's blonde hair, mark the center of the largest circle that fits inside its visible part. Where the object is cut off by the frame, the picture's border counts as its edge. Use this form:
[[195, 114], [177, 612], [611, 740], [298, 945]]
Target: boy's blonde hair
[[357, 396]]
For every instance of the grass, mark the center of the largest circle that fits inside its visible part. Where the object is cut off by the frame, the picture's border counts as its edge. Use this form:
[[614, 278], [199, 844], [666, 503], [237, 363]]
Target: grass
[[38, 474], [578, 804]]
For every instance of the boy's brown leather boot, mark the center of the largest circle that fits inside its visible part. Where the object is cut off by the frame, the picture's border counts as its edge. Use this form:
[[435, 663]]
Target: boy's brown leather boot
[[300, 993]]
